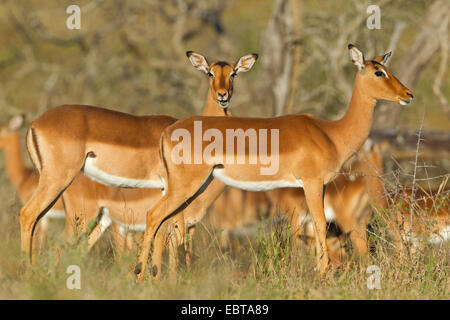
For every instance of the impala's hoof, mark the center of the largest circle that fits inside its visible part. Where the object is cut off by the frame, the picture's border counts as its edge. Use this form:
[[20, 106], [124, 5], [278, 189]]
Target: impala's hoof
[[138, 268], [140, 278], [154, 271]]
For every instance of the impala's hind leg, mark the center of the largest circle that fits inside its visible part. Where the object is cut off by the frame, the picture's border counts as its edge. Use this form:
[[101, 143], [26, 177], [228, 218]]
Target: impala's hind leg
[[163, 208], [177, 237], [179, 195], [189, 247], [169, 236], [161, 241], [120, 235], [99, 229], [41, 233], [45, 196], [82, 212]]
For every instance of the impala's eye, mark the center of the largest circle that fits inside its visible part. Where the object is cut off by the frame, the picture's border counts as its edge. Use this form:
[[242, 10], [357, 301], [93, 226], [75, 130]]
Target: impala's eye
[[210, 74], [233, 74], [379, 73]]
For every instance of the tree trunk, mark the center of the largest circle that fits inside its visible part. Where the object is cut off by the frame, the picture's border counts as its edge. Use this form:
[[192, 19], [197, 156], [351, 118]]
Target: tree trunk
[[425, 46]]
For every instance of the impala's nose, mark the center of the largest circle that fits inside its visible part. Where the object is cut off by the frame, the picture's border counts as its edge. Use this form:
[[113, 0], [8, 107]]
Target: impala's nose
[[222, 95], [223, 98], [404, 101]]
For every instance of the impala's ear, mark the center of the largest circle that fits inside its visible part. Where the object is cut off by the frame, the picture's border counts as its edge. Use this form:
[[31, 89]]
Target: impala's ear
[[198, 61], [16, 122], [245, 63], [356, 56], [384, 58]]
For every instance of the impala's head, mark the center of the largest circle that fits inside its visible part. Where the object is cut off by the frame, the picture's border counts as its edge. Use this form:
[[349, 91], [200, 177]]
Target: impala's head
[[221, 74], [8, 130], [377, 81]]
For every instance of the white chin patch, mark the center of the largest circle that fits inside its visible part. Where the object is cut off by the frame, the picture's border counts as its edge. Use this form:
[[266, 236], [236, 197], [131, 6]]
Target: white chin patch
[[404, 103]]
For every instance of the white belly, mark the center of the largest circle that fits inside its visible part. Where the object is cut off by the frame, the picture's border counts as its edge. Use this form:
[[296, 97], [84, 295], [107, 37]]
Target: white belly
[[444, 236], [55, 214], [329, 216], [115, 181], [256, 185], [106, 220]]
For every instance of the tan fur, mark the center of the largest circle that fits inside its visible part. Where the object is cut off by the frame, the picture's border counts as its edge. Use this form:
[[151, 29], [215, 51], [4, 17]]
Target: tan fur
[[311, 149], [173, 235], [349, 196], [23, 179], [424, 216]]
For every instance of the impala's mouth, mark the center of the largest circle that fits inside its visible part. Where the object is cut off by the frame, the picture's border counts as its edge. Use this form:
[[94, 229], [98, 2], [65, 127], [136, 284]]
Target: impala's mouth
[[223, 103], [405, 102]]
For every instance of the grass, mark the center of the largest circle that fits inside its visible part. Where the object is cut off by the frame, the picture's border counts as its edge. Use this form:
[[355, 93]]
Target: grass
[[266, 266]]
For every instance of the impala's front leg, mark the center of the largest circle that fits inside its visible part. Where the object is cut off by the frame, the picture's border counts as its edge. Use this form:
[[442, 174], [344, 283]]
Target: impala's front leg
[[314, 199]]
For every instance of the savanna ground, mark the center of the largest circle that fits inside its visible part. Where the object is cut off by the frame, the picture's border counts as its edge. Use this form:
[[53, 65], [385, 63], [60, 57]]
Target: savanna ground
[[266, 266], [129, 56]]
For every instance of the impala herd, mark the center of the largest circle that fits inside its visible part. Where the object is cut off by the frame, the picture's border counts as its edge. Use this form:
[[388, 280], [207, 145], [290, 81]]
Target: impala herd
[[102, 168]]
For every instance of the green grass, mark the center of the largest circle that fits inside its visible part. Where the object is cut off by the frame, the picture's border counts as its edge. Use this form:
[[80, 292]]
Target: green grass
[[266, 266]]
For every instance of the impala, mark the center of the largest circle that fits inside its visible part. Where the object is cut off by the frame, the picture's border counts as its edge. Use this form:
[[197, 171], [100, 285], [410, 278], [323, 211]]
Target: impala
[[23, 179], [424, 217], [221, 89], [124, 210], [311, 153], [79, 197], [109, 147]]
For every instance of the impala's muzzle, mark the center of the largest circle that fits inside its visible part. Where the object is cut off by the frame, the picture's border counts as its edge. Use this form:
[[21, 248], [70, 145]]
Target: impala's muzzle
[[223, 99], [408, 100]]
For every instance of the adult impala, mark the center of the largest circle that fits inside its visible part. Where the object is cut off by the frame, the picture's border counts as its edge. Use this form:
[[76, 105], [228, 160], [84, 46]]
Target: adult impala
[[112, 148], [221, 86], [311, 153], [82, 201], [126, 208]]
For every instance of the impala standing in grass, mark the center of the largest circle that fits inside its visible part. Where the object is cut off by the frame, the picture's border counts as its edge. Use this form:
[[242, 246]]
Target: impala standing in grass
[[109, 147], [310, 152]]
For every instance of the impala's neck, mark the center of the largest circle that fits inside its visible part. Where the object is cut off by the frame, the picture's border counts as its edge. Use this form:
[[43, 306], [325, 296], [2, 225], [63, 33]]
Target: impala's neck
[[15, 167], [350, 132], [212, 107]]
